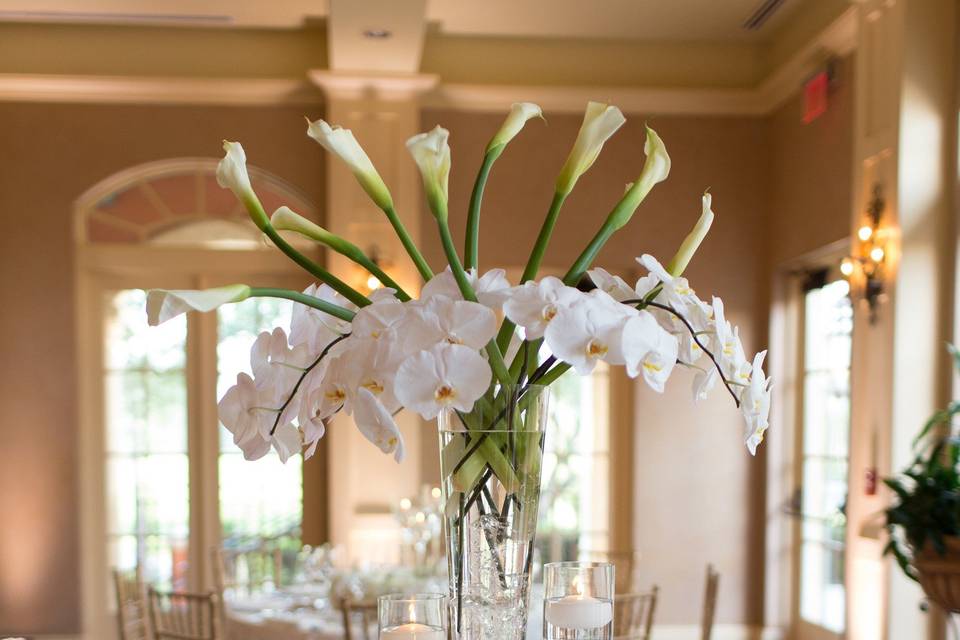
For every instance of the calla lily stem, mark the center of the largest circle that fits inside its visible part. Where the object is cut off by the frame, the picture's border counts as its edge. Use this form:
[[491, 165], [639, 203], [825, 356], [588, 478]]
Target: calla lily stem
[[536, 256], [471, 253], [322, 305], [408, 244]]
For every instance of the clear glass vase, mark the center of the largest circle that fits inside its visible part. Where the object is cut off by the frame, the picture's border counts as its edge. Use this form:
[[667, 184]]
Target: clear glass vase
[[490, 462]]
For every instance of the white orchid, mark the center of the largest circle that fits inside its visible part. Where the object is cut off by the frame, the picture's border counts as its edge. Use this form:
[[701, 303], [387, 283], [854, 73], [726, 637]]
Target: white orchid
[[614, 285], [703, 382], [342, 144], [431, 152], [163, 304], [286, 441], [588, 331], [729, 352], [755, 404], [442, 319], [448, 375], [377, 425], [520, 113], [241, 412], [649, 351], [600, 121], [533, 305], [314, 328], [492, 288], [232, 171]]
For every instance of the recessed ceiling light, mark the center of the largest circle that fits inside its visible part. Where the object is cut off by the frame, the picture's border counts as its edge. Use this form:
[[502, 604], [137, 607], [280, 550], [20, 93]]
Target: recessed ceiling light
[[377, 34]]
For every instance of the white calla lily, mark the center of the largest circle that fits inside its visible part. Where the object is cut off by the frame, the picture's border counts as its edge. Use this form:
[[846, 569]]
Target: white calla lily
[[341, 143], [163, 304], [448, 375], [693, 240], [431, 152], [520, 113], [232, 171], [600, 122], [377, 425]]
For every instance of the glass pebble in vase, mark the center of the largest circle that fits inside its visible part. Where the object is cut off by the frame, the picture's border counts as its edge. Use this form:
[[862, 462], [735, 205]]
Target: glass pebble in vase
[[578, 601], [490, 462]]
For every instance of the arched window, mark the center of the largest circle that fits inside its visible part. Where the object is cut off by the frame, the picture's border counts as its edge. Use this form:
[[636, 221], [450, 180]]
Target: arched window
[[163, 482]]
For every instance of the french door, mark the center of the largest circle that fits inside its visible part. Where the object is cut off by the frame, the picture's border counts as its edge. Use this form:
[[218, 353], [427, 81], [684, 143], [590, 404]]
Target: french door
[[821, 458]]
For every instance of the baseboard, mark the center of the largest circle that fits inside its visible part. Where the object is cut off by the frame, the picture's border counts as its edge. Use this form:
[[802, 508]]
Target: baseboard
[[720, 632]]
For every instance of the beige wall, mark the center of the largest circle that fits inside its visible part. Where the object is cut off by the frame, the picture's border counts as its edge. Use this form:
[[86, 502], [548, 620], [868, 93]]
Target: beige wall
[[51, 154]]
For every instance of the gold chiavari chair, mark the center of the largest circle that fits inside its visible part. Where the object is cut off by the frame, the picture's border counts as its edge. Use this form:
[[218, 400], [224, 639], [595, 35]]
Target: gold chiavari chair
[[240, 572], [359, 619], [131, 606], [711, 587], [184, 616], [633, 615], [625, 563]]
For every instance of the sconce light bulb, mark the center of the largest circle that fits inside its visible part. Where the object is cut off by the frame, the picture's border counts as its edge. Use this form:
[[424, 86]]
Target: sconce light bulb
[[865, 233], [846, 267], [373, 283], [876, 254]]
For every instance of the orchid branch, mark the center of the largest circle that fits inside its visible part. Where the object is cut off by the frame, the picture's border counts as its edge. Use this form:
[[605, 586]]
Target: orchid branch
[[296, 387]]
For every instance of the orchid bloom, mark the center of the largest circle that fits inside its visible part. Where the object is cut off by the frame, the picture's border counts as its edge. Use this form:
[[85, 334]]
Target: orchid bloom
[[163, 304], [314, 328], [614, 285], [442, 319], [287, 441], [755, 404], [534, 305], [589, 331], [431, 152], [492, 288], [342, 144], [649, 351], [520, 113], [448, 375], [600, 122], [377, 425], [241, 413]]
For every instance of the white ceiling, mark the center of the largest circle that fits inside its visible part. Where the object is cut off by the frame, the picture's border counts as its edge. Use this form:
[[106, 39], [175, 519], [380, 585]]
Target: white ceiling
[[678, 20]]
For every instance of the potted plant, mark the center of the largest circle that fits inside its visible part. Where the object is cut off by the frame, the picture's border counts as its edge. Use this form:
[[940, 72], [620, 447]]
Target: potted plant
[[924, 521]]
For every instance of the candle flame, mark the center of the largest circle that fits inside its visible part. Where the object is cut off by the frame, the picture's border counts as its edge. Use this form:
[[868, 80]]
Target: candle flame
[[412, 612], [577, 586]]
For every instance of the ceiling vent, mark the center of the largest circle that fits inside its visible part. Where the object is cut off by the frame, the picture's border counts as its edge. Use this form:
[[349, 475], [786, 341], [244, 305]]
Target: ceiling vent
[[763, 13]]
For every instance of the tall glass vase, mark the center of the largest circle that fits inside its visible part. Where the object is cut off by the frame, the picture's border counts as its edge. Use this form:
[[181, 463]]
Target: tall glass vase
[[490, 461]]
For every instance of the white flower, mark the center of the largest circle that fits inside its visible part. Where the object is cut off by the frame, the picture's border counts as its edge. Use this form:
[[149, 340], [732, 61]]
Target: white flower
[[589, 331], [648, 350], [692, 242], [704, 381], [286, 440], [492, 288], [600, 121], [655, 170], [377, 425], [448, 375], [441, 319], [164, 304], [611, 284], [520, 112], [241, 412], [342, 144], [232, 171], [755, 404], [314, 328], [378, 319], [431, 152], [533, 305], [729, 350]]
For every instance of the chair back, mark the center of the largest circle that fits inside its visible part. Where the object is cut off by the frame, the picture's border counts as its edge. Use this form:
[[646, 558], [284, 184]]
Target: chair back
[[625, 563], [131, 605], [359, 619], [244, 572], [184, 616], [711, 587], [633, 615]]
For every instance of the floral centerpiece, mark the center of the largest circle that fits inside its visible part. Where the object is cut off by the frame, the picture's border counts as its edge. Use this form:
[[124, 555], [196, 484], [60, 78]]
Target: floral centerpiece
[[472, 349]]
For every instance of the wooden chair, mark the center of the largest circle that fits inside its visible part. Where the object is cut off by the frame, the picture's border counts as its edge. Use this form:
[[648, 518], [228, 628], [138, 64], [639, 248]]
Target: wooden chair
[[246, 571], [633, 615], [625, 563], [711, 587], [131, 606], [184, 616], [359, 620]]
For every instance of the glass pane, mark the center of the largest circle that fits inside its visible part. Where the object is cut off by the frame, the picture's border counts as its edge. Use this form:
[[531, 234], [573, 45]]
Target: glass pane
[[262, 499], [146, 439], [828, 324]]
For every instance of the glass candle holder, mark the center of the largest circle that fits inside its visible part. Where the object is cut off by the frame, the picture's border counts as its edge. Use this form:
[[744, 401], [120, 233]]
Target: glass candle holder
[[578, 601], [412, 617]]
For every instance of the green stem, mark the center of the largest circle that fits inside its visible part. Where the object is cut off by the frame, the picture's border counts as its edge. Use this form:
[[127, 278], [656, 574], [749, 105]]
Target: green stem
[[471, 249], [586, 258], [408, 244], [327, 307], [381, 275], [536, 256], [493, 351]]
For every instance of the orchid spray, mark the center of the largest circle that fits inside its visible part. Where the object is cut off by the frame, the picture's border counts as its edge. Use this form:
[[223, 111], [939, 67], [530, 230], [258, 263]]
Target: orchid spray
[[469, 336]]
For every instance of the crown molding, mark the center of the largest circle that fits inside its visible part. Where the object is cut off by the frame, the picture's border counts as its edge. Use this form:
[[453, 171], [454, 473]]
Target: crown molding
[[146, 90], [837, 39]]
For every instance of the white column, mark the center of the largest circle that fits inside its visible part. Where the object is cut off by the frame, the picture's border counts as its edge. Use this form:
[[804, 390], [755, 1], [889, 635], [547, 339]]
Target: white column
[[382, 110]]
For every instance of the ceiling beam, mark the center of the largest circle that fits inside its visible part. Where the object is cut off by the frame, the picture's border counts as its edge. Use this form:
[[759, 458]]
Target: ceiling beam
[[382, 36]]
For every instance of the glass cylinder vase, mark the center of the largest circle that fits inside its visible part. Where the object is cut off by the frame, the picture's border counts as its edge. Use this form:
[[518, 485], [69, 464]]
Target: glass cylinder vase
[[490, 462]]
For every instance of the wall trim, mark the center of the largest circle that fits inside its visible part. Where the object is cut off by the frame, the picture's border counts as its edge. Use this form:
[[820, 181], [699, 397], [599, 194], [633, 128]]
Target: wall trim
[[720, 632], [838, 39]]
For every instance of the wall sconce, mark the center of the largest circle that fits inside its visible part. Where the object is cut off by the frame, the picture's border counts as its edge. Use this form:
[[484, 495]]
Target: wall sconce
[[368, 281], [866, 268]]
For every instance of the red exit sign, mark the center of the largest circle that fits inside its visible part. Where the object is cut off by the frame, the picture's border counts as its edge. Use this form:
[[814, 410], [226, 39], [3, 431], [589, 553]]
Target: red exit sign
[[815, 96]]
